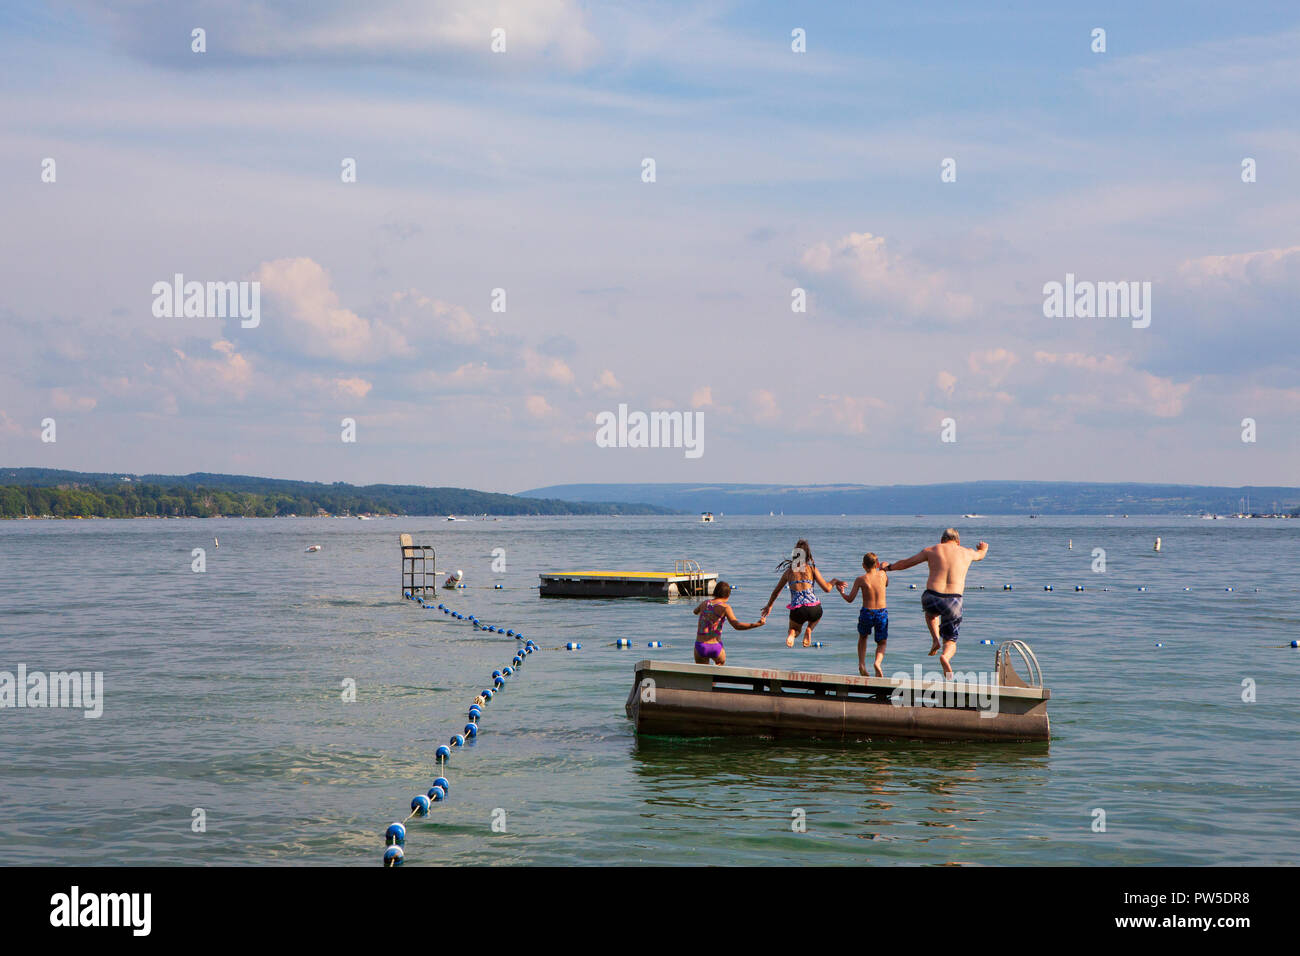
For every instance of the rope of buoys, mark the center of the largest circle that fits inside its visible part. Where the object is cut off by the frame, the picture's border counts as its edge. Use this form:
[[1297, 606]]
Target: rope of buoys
[[395, 834], [474, 621]]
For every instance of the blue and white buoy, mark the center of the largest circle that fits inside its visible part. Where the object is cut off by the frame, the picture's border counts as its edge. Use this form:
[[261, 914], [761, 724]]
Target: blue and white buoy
[[471, 730], [457, 740], [573, 646], [622, 642], [654, 644], [393, 856], [986, 641], [437, 794], [395, 835], [442, 753], [420, 805]]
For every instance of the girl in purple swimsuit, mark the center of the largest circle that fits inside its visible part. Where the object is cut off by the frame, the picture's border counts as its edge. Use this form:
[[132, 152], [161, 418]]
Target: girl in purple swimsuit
[[708, 633]]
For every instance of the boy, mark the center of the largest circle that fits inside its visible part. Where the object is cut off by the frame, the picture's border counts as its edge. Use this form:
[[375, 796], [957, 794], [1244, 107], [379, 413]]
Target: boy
[[708, 633], [873, 616]]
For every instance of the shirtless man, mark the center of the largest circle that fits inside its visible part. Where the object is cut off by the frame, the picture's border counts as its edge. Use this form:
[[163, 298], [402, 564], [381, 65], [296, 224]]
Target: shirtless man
[[941, 602]]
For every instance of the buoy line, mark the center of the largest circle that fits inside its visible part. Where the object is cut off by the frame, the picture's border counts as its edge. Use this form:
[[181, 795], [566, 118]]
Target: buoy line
[[477, 624], [395, 835]]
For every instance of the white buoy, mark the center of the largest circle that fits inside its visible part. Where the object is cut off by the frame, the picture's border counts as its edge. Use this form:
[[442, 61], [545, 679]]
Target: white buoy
[[1157, 545]]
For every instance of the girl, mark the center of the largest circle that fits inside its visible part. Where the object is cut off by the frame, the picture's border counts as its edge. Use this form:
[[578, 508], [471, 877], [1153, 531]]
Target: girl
[[799, 572], [708, 633]]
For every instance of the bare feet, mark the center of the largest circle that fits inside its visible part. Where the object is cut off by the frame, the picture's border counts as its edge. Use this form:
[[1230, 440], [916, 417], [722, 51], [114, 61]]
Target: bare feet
[[862, 669], [789, 640], [807, 639], [934, 650]]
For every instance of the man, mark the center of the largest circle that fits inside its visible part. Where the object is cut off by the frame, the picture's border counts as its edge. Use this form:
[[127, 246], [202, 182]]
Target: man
[[942, 599]]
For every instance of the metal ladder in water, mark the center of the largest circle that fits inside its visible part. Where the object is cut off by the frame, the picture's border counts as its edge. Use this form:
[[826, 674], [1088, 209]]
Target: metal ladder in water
[[692, 570], [1006, 671]]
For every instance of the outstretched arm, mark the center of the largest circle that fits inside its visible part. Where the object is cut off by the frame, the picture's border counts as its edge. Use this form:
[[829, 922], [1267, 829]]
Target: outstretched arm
[[857, 583], [817, 576], [981, 551], [905, 563], [738, 624], [785, 576]]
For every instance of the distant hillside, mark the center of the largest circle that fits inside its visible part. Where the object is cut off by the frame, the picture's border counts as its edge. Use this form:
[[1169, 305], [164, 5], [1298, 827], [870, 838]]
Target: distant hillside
[[45, 491], [975, 497]]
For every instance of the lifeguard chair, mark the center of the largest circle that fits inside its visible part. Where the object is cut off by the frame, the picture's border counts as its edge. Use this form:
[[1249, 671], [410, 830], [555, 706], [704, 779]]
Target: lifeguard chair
[[415, 575]]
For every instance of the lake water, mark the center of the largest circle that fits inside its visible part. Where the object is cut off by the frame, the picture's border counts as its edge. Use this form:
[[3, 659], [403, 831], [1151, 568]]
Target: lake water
[[223, 692]]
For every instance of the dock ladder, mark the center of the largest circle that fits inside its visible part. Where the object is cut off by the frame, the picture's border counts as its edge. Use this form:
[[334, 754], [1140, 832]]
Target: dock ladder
[[693, 572], [1006, 671]]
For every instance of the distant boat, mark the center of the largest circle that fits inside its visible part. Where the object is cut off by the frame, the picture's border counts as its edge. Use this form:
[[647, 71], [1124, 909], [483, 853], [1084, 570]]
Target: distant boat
[[314, 547], [972, 516], [454, 518], [706, 517]]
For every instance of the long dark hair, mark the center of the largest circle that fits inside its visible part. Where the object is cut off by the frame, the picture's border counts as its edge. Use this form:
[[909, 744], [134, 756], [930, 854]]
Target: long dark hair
[[801, 548]]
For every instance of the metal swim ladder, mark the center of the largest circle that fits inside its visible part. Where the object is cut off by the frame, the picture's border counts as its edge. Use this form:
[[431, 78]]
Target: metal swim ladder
[[1006, 671], [691, 570]]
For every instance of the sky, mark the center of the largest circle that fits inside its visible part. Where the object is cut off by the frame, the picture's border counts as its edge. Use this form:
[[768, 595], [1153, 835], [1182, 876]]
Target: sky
[[503, 269]]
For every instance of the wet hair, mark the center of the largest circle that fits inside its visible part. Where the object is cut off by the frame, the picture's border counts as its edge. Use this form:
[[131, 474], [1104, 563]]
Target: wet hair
[[869, 560], [800, 547], [722, 590], [950, 534]]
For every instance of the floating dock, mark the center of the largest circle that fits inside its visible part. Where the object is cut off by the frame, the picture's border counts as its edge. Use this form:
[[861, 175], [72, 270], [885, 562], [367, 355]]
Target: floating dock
[[609, 584], [705, 700]]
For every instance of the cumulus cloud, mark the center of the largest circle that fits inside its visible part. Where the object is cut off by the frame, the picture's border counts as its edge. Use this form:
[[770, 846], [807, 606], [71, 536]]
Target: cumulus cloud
[[307, 314], [607, 382], [67, 401], [702, 397], [537, 406], [878, 277], [352, 387], [853, 413], [1107, 381], [547, 368], [764, 406], [992, 364]]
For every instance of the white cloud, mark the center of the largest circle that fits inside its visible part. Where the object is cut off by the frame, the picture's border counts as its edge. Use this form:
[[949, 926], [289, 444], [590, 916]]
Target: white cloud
[[310, 318], [877, 275]]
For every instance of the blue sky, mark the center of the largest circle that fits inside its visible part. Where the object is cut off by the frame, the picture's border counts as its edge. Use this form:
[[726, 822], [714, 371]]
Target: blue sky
[[775, 170]]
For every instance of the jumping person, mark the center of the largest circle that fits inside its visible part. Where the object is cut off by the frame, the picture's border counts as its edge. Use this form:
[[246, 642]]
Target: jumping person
[[708, 632], [942, 601], [873, 616], [805, 607]]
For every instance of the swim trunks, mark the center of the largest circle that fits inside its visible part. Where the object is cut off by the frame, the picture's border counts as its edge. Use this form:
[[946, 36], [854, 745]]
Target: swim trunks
[[876, 619], [948, 609], [709, 651]]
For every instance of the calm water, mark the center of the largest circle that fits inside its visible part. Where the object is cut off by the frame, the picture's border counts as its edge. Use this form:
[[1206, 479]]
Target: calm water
[[223, 692]]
